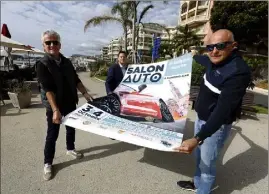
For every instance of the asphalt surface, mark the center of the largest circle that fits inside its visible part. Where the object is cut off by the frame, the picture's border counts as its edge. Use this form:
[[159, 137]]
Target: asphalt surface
[[113, 167]]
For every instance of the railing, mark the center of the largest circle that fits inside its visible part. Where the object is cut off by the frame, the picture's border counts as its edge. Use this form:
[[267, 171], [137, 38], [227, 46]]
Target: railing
[[194, 18]]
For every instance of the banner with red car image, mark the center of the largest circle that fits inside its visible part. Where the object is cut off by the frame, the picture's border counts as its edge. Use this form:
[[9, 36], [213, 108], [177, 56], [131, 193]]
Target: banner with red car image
[[149, 107]]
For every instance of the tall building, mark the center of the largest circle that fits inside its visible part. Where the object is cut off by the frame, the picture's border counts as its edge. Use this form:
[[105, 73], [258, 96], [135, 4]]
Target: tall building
[[104, 54], [145, 41], [196, 15], [114, 47]]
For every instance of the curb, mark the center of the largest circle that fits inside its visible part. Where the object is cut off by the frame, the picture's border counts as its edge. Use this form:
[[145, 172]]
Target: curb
[[259, 90], [99, 79]]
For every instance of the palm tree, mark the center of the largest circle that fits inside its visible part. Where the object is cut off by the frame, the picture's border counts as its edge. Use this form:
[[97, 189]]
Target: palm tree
[[120, 13], [185, 38], [133, 5]]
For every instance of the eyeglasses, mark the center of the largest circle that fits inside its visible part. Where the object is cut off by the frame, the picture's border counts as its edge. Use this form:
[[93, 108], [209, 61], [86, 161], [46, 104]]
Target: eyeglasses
[[219, 46], [54, 42]]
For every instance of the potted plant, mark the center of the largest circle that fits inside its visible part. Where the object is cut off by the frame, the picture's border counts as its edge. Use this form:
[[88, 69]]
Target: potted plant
[[19, 93]]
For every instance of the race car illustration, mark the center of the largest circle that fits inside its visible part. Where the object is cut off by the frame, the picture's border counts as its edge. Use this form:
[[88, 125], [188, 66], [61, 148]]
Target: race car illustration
[[126, 101]]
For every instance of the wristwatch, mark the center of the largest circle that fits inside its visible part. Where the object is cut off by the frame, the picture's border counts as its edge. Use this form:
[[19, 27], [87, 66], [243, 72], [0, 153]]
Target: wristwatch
[[200, 142]]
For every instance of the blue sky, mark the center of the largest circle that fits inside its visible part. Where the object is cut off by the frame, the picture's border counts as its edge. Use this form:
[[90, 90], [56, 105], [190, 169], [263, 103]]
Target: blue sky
[[26, 21]]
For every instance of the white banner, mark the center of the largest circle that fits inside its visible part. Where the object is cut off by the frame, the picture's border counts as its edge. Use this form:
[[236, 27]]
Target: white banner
[[149, 107]]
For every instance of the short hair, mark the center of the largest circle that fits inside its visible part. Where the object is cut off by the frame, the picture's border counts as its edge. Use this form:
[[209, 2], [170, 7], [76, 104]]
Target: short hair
[[50, 33], [123, 53]]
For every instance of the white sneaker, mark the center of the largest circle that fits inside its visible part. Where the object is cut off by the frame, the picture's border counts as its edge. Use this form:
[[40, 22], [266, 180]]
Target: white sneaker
[[75, 154], [47, 172]]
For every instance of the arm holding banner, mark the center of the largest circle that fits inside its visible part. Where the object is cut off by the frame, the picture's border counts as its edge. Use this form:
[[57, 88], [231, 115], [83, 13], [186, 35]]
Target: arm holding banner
[[232, 93]]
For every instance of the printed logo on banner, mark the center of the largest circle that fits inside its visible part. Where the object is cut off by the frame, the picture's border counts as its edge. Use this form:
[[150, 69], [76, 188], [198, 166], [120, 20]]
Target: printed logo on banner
[[145, 74], [142, 137], [121, 131], [103, 127], [86, 122], [165, 143], [73, 118]]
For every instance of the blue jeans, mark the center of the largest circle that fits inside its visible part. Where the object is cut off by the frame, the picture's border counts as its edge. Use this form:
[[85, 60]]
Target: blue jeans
[[206, 156]]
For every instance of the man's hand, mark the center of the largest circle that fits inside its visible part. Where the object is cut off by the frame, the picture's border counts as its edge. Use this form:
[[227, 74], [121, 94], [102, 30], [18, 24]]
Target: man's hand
[[56, 118], [187, 146], [88, 97]]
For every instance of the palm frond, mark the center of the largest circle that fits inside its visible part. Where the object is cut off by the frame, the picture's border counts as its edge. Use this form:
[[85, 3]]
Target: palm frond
[[117, 8], [144, 11], [98, 20]]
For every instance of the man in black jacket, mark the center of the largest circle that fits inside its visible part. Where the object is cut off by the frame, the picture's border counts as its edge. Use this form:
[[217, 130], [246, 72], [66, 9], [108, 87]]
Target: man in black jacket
[[222, 89], [59, 83], [116, 73]]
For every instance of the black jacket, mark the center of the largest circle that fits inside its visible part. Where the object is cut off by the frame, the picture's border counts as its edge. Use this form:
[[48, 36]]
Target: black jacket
[[52, 78], [114, 78], [221, 92]]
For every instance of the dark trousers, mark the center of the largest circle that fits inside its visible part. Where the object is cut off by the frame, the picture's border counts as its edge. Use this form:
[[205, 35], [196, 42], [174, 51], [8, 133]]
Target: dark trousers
[[53, 133]]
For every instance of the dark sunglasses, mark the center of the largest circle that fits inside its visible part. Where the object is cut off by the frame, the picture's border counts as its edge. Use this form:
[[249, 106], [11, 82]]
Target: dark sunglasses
[[54, 42], [219, 46]]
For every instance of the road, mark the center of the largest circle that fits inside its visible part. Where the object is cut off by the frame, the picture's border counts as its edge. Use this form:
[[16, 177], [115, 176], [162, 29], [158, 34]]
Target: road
[[113, 167]]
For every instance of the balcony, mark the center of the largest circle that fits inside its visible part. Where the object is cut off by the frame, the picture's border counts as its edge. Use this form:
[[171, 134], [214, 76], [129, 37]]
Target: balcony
[[195, 20]]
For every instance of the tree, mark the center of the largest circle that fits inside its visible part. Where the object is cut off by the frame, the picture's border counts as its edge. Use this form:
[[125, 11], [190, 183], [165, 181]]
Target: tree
[[248, 20], [120, 13], [184, 39], [133, 5]]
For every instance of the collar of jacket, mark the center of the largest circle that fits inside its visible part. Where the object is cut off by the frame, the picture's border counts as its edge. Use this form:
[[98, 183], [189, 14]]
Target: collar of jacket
[[49, 58]]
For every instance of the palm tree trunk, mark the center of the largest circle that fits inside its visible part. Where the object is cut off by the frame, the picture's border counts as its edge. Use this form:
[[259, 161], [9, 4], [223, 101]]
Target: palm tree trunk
[[133, 40], [125, 40]]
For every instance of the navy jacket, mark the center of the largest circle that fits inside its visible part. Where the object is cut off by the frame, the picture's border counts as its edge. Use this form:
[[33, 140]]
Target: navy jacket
[[114, 78], [221, 92]]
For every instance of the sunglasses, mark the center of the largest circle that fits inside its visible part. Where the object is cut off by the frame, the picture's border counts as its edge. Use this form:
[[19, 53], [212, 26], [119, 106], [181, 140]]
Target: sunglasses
[[219, 46], [54, 42]]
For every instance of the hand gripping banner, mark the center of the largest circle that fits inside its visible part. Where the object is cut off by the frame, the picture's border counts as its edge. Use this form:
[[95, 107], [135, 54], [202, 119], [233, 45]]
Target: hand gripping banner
[[148, 109]]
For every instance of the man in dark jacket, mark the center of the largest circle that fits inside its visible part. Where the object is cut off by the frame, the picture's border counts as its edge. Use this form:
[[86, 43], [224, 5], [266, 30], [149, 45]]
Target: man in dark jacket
[[222, 89], [59, 83], [116, 73]]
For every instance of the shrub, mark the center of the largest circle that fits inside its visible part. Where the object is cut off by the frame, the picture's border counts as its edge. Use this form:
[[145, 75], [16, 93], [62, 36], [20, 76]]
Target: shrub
[[197, 73]]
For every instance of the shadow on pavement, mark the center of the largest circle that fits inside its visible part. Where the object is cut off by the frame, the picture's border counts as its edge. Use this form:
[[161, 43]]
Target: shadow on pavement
[[244, 169], [237, 173], [110, 149], [6, 107], [175, 162]]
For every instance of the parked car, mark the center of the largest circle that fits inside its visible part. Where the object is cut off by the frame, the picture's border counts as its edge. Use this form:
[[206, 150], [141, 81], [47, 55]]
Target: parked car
[[126, 101]]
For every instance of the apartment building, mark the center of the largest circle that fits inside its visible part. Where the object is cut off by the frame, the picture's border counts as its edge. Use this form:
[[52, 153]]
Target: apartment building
[[145, 41], [196, 15], [114, 46], [104, 54]]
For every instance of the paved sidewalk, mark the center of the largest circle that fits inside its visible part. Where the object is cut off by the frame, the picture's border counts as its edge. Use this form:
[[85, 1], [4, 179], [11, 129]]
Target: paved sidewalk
[[113, 167]]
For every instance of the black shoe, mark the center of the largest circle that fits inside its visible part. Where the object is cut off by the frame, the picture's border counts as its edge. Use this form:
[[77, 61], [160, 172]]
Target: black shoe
[[186, 185], [112, 139]]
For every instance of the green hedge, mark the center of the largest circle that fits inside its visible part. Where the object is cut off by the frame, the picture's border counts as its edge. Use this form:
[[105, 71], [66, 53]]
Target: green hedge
[[197, 73]]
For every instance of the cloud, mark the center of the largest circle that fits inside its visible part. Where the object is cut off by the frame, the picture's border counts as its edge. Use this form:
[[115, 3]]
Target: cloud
[[26, 21]]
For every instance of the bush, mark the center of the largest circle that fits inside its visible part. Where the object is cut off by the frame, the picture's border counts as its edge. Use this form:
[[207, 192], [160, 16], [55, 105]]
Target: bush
[[197, 73], [258, 66]]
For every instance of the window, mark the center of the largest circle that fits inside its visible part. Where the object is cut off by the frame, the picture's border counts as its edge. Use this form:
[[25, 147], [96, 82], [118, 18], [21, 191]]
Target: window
[[184, 8], [192, 5]]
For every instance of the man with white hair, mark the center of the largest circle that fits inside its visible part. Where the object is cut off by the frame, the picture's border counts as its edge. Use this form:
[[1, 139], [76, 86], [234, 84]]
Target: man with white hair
[[59, 83], [222, 89]]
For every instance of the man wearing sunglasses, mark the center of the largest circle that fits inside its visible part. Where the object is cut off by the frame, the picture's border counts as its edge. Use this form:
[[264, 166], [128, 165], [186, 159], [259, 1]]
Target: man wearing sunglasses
[[222, 89], [59, 83]]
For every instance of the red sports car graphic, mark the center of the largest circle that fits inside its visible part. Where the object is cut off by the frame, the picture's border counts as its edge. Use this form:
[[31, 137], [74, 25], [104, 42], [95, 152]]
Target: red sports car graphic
[[126, 101]]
